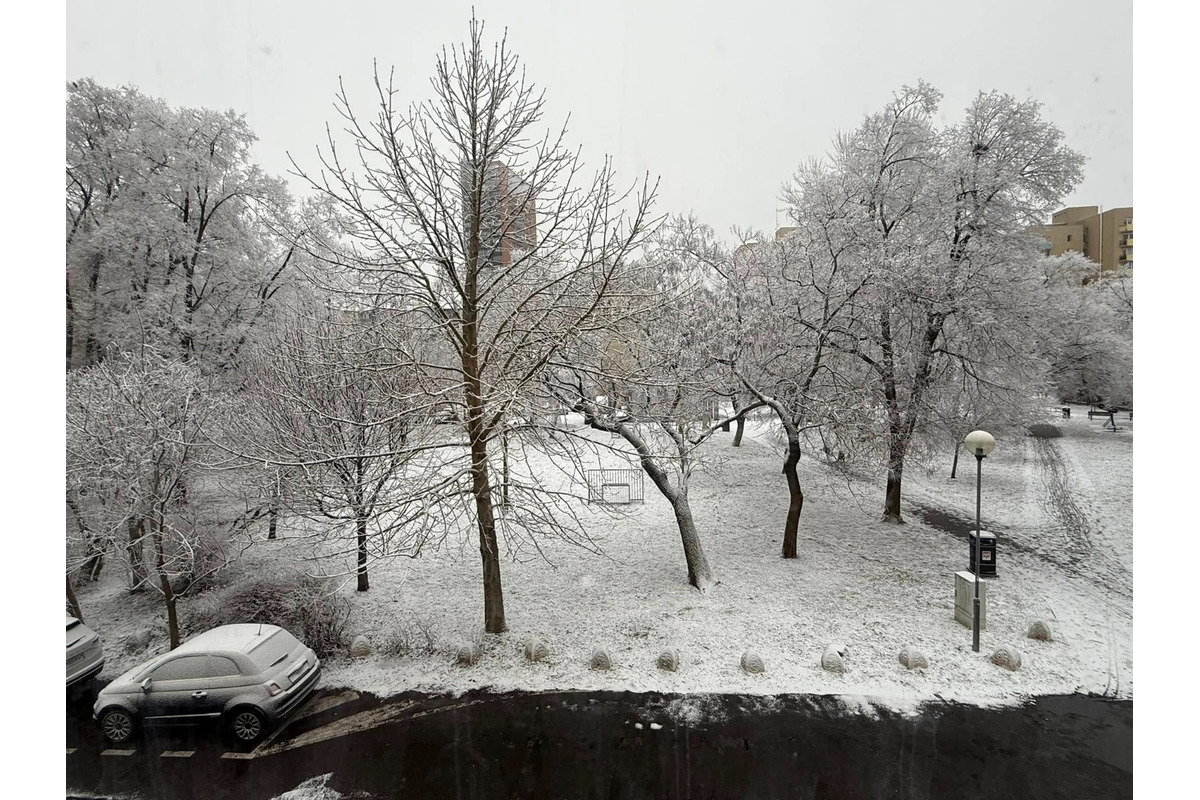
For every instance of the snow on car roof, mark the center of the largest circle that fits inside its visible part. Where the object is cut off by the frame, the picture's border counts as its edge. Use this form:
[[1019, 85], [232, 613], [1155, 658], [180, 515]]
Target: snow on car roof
[[239, 638]]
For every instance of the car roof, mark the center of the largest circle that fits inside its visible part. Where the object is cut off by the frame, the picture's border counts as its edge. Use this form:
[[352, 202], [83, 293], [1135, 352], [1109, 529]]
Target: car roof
[[241, 638]]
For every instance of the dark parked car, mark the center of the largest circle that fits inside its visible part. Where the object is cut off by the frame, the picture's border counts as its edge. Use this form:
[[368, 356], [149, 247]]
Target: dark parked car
[[85, 654], [248, 676]]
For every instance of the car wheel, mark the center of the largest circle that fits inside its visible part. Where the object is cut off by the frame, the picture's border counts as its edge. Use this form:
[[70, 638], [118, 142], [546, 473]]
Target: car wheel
[[118, 725], [246, 725]]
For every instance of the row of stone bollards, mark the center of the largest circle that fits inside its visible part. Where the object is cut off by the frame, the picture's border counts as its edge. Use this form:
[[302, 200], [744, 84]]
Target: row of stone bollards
[[833, 659]]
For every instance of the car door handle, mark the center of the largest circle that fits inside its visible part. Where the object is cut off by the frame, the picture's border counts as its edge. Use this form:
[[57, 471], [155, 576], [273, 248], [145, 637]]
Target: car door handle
[[199, 695]]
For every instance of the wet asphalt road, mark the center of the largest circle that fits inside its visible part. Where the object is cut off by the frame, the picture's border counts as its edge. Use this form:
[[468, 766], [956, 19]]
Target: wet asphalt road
[[632, 745]]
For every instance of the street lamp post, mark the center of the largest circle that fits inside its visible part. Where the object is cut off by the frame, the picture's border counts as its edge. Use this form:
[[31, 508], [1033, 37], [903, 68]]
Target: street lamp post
[[980, 443]]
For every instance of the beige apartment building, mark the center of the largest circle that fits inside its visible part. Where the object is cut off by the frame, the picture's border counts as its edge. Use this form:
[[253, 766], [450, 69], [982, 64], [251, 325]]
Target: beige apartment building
[[1104, 237]]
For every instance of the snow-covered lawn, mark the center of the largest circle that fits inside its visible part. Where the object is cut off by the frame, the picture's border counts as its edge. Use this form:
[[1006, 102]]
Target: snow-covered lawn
[[872, 587]]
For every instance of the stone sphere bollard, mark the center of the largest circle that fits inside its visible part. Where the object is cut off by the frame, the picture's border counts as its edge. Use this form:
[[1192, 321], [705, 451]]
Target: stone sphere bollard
[[1007, 657], [137, 642], [360, 647], [668, 660], [1040, 631], [752, 663], [600, 660], [536, 649], [831, 661], [468, 654], [913, 658]]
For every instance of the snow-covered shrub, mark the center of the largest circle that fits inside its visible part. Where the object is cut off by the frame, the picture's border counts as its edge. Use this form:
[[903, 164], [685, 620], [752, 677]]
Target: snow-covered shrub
[[360, 647], [1007, 657], [1040, 630], [306, 607], [536, 649], [668, 660], [913, 658], [600, 660], [752, 662], [1044, 430], [413, 636]]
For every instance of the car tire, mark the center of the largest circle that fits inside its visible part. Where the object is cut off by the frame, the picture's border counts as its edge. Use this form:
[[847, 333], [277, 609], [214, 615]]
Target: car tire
[[118, 725], [245, 726]]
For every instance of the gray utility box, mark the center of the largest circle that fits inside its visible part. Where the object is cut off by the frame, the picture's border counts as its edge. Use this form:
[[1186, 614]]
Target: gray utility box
[[987, 554], [964, 599]]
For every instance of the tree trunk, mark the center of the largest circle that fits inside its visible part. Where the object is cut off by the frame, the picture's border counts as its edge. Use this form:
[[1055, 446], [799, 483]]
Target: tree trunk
[[91, 350], [361, 523], [699, 572], [70, 322], [493, 593], [164, 583], [795, 495], [504, 481], [137, 559], [272, 519], [954, 467], [740, 421], [76, 611], [94, 556], [891, 508]]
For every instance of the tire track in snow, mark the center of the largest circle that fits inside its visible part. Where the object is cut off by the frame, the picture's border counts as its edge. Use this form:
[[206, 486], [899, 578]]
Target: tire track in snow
[[1070, 541]]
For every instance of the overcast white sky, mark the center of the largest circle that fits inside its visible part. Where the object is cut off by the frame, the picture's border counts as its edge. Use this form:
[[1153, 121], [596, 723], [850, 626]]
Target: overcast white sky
[[721, 100]]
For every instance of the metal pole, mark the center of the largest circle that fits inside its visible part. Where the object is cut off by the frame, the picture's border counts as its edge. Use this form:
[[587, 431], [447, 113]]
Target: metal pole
[[978, 549]]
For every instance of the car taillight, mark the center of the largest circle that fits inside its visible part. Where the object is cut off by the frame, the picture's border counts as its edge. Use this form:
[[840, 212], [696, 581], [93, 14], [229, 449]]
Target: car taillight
[[273, 688]]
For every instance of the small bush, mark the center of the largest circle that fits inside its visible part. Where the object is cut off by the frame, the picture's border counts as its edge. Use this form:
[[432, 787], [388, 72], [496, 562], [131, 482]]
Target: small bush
[[414, 636], [307, 607], [1045, 431]]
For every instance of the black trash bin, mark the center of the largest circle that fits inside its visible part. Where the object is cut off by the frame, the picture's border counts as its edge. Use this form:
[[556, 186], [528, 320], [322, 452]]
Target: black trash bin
[[987, 554]]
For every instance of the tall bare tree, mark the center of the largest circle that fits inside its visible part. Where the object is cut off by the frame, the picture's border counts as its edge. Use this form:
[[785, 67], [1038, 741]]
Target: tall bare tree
[[462, 211]]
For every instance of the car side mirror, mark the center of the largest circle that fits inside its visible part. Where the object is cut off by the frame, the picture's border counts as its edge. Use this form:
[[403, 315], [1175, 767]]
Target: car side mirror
[[146, 685]]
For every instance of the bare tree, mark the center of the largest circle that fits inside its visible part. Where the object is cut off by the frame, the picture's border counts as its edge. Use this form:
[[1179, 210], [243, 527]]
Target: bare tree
[[797, 293], [650, 379], [135, 426], [327, 405], [461, 213]]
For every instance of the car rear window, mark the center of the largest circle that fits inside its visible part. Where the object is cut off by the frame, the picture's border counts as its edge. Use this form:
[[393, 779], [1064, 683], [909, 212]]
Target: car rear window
[[275, 649], [221, 667]]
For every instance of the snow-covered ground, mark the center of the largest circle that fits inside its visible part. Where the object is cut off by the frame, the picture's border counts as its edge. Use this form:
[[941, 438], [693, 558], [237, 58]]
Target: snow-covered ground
[[1062, 510]]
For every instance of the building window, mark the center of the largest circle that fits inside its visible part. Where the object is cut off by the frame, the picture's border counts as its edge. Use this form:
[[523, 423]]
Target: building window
[[1068, 237]]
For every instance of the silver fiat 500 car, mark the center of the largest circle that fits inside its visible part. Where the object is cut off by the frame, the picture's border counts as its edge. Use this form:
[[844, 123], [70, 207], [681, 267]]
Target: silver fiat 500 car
[[85, 654], [248, 676]]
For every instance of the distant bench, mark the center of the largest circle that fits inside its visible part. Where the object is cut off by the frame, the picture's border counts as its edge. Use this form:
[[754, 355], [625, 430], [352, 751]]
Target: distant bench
[[1098, 412]]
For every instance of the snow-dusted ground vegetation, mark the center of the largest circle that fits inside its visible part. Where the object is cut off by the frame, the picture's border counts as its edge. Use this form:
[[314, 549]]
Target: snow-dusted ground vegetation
[[1061, 508]]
